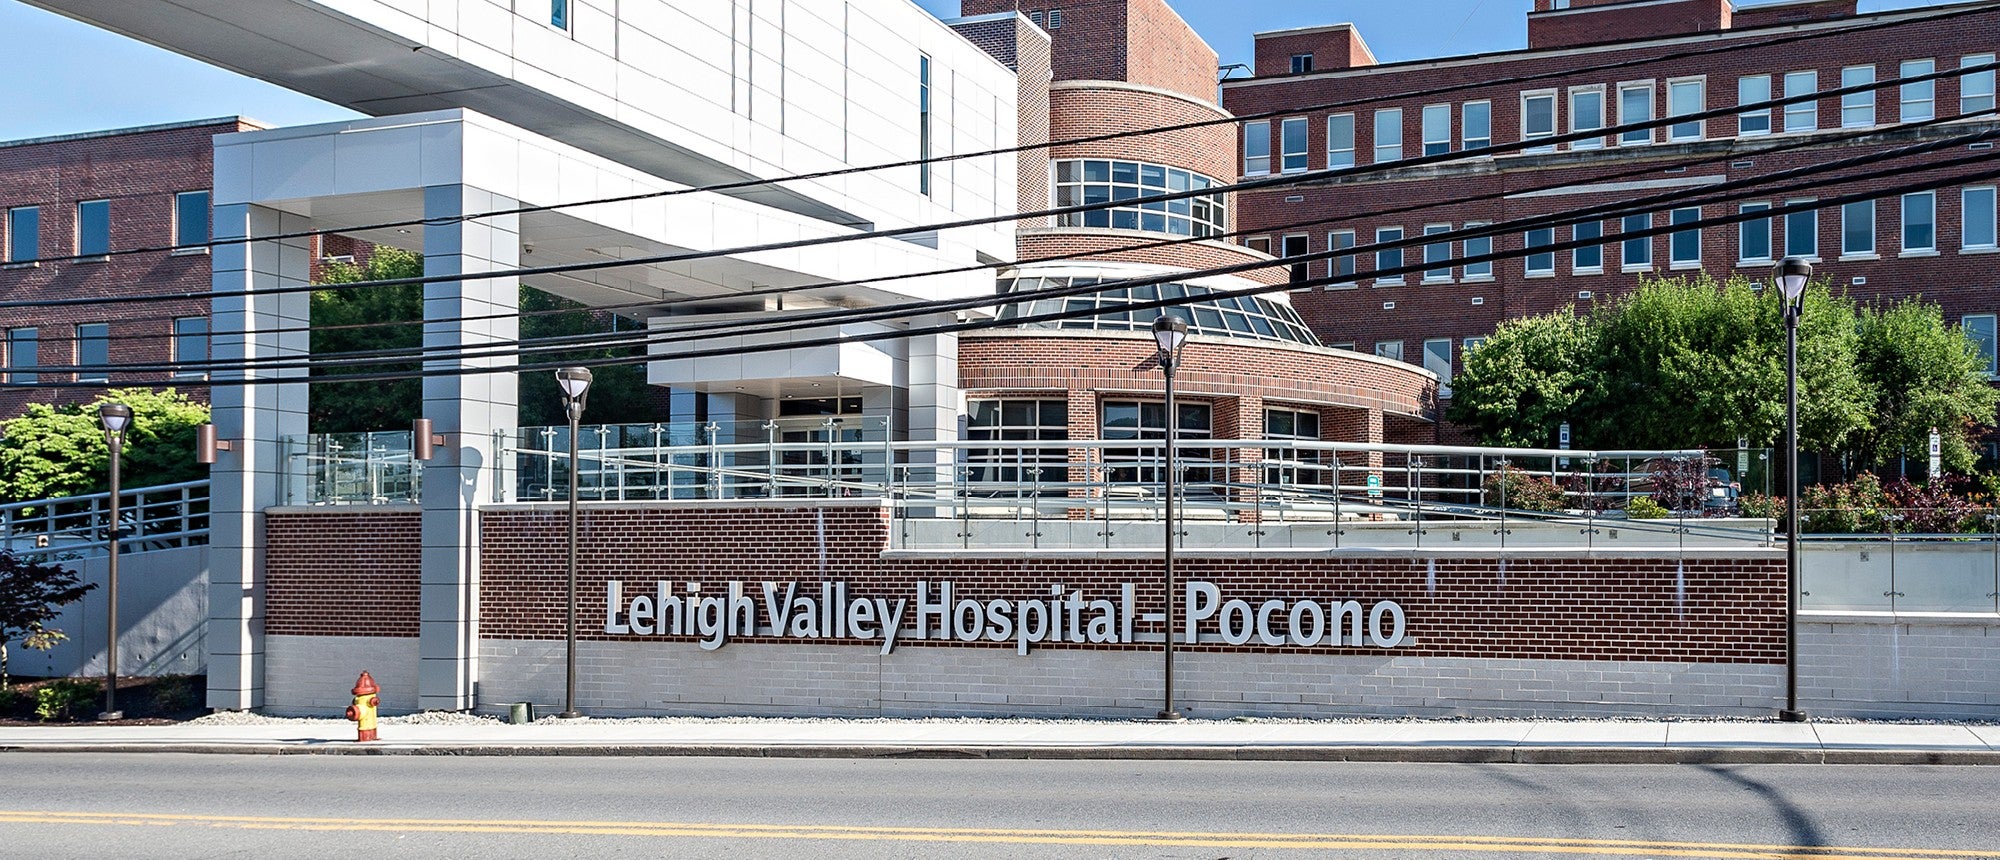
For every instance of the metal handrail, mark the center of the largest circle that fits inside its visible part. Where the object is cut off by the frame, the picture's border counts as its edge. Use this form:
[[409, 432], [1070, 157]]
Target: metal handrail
[[158, 517]]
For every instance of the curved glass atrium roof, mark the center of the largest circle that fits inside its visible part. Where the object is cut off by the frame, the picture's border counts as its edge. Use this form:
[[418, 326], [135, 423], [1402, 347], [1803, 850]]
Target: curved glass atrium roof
[[1241, 317]]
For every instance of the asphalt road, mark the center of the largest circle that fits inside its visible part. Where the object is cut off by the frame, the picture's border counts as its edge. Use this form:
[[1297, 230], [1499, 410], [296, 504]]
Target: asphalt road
[[170, 805]]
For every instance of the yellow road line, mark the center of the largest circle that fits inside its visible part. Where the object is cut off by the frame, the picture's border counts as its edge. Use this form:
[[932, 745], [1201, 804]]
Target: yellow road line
[[1290, 841]]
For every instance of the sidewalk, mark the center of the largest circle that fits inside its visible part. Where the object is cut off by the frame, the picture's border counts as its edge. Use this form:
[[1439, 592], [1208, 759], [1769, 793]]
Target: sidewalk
[[1449, 741]]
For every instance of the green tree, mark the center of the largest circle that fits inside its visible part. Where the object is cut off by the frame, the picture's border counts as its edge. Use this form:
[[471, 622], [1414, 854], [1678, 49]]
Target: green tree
[[619, 393], [1923, 374], [60, 450], [1524, 381], [31, 593]]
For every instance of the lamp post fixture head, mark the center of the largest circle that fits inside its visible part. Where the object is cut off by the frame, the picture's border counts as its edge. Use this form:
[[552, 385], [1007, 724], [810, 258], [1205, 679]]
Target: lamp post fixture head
[[115, 417], [1791, 276], [1169, 332], [575, 382]]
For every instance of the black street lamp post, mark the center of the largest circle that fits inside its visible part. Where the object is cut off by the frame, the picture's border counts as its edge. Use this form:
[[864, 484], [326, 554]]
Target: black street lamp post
[[115, 417], [1791, 277], [1170, 333], [575, 382]]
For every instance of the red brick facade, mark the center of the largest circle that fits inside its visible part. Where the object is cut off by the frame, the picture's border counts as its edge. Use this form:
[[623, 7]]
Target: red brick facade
[[1588, 22], [342, 573], [1117, 245], [1137, 41], [1337, 46]]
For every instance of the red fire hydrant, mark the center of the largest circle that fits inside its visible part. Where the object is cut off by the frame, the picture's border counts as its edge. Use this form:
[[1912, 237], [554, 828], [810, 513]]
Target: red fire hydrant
[[362, 712]]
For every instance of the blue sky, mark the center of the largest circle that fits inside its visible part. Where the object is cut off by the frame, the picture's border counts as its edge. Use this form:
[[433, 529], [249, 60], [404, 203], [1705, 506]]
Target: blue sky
[[88, 79]]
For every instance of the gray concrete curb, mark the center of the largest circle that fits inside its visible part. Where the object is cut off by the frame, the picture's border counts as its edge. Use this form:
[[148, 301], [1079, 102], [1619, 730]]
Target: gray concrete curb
[[1439, 754]]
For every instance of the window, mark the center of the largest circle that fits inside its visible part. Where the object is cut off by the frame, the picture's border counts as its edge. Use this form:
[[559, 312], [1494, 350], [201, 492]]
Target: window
[[1289, 466], [1110, 306], [1975, 89], [1125, 419], [1753, 237], [1302, 63], [24, 234], [924, 124], [1920, 223], [1292, 140], [1586, 113], [23, 355], [1685, 97], [559, 14], [1476, 119], [1635, 104], [1055, 19], [1857, 110], [1388, 259], [1018, 420], [1587, 259], [1750, 90], [1388, 135], [1340, 240], [1920, 98], [1257, 148], [1636, 253], [1857, 229], [1437, 252], [1978, 227], [1297, 245], [1258, 243], [1802, 232], [1473, 343], [1801, 116], [1538, 118], [1978, 328], [1389, 349], [1684, 246], [93, 228], [1340, 140], [191, 221], [1117, 185], [1437, 129], [1035, 17], [1542, 264], [1479, 246], [1437, 359], [191, 344], [93, 348]]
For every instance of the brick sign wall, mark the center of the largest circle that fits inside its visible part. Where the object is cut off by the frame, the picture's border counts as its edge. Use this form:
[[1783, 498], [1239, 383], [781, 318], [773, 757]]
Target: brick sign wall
[[342, 574]]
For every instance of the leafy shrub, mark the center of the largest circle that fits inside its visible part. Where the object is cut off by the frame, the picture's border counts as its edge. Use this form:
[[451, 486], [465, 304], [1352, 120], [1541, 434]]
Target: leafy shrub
[[64, 699], [10, 701], [1680, 485], [1516, 489], [1644, 508], [1596, 488], [1859, 506], [173, 694], [1760, 506], [1937, 507]]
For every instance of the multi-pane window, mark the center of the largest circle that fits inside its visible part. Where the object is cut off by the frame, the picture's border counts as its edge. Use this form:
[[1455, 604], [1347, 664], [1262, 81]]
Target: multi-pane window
[[1021, 467], [1475, 247], [1294, 246], [191, 344], [1389, 349], [23, 355], [1587, 259], [1920, 223], [1117, 185], [1635, 104], [1543, 263], [1977, 229], [1340, 140], [1437, 359], [1586, 113], [191, 220], [1979, 329], [1302, 63], [1919, 97], [1388, 259], [1685, 97], [1801, 231], [1750, 90], [93, 228], [1857, 110], [24, 234], [1857, 228], [1473, 343], [1343, 265], [1801, 116], [1684, 246], [1292, 144], [93, 349], [1753, 237], [1975, 89], [924, 124], [1476, 121], [1257, 147], [1437, 129], [1538, 118], [1637, 252], [1109, 308], [1437, 252], [1291, 466], [1388, 135], [1136, 420], [559, 14]]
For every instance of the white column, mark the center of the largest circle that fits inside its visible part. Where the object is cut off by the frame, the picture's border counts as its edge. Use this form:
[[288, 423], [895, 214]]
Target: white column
[[258, 418], [934, 407], [467, 409]]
